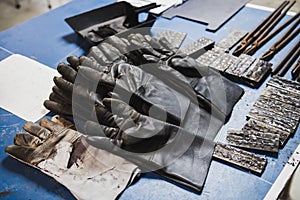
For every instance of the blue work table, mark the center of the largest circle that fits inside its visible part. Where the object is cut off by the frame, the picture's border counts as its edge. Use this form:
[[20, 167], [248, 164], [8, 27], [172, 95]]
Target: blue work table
[[49, 40]]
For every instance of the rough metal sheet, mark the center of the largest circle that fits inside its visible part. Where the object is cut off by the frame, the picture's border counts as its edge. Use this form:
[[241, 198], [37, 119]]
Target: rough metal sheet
[[278, 107], [258, 126], [273, 119], [252, 139], [240, 158], [239, 68], [232, 39], [208, 58], [223, 62], [257, 72], [212, 12], [285, 84], [282, 96], [198, 48], [174, 37]]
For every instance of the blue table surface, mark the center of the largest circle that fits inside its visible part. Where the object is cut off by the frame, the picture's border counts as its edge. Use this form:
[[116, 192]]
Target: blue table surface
[[49, 40]]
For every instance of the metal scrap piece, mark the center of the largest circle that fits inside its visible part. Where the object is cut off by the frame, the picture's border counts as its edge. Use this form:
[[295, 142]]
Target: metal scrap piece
[[243, 63], [197, 48], [174, 37], [252, 139], [258, 126], [257, 71], [282, 96], [223, 62], [285, 84], [232, 39], [207, 58], [278, 107], [219, 50], [240, 158], [273, 119]]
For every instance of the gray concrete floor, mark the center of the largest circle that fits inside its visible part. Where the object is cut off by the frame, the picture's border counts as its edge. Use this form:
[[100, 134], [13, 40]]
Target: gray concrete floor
[[10, 16]]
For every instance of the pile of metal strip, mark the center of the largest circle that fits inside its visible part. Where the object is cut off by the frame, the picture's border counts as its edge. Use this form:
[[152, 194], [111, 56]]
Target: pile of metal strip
[[274, 117], [272, 120], [244, 69]]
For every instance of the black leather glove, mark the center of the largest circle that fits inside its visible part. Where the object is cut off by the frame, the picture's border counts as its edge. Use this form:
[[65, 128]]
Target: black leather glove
[[209, 85], [153, 145]]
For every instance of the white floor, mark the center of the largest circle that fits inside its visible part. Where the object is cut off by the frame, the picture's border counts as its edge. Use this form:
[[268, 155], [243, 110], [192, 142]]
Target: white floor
[[10, 16]]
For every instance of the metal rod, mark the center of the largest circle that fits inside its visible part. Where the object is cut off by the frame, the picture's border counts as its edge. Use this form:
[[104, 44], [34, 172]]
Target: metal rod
[[248, 39], [288, 65], [296, 70], [286, 59], [263, 35]]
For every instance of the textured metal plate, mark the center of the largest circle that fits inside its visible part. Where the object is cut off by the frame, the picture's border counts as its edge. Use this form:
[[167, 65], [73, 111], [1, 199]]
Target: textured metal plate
[[240, 158], [243, 63], [223, 62], [252, 139], [208, 58], [273, 119], [232, 39], [282, 96], [278, 107], [257, 72], [285, 84], [174, 37], [198, 48], [265, 128]]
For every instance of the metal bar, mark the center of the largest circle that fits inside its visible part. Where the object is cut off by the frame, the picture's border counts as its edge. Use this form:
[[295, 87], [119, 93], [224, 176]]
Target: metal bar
[[252, 50], [240, 158], [288, 65], [282, 63], [249, 37], [296, 70]]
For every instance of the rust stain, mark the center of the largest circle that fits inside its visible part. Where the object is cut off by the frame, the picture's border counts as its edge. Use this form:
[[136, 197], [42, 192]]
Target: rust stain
[[5, 193]]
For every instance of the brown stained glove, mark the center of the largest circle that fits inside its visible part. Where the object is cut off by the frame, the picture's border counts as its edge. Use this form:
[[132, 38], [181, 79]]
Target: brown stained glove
[[63, 154]]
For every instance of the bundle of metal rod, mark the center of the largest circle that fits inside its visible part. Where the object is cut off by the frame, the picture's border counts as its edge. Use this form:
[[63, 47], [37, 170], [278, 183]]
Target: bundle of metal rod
[[282, 42], [287, 58], [264, 28], [296, 70], [264, 37]]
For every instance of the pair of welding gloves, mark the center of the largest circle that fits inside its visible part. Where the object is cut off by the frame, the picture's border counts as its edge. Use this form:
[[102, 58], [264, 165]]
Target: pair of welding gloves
[[139, 99]]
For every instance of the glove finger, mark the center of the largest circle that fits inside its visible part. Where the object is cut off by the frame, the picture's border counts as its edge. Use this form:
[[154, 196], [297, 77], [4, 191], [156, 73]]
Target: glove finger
[[52, 126], [27, 139], [56, 107], [98, 55], [111, 52], [118, 43], [37, 130], [62, 95], [20, 152], [74, 62], [121, 109], [58, 99], [97, 77], [91, 63], [67, 72], [64, 85], [62, 121], [105, 117]]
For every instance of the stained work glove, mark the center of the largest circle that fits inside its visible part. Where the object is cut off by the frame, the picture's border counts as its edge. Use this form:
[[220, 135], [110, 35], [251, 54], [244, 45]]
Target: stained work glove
[[63, 154], [153, 145]]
